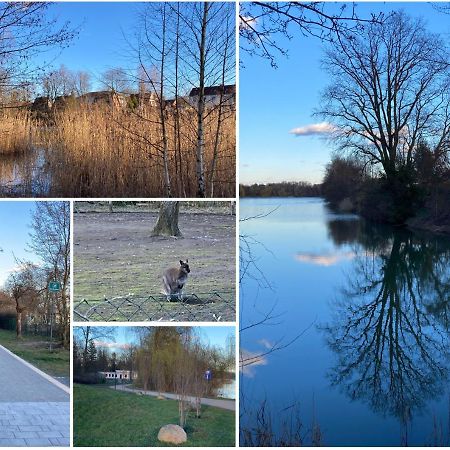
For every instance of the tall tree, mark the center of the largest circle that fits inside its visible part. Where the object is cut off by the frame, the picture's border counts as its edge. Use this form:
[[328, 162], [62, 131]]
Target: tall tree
[[116, 80], [27, 29], [389, 90], [50, 239], [87, 335], [24, 287]]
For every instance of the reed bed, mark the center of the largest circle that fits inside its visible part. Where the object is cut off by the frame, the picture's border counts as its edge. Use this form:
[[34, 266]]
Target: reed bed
[[101, 151], [15, 132]]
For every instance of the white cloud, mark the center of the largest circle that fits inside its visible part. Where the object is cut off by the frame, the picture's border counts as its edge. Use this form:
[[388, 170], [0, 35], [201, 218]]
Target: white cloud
[[246, 22], [117, 345], [248, 361], [314, 129], [325, 259], [266, 343]]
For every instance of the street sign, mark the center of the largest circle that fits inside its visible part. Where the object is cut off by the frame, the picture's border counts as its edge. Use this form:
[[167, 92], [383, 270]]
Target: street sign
[[208, 375], [54, 286]]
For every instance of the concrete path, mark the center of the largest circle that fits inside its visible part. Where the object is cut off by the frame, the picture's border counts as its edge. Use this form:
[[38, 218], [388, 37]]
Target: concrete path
[[34, 407], [218, 403]]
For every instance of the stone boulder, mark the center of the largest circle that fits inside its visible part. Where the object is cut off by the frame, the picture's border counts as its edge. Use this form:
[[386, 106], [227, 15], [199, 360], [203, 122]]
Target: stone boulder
[[173, 434]]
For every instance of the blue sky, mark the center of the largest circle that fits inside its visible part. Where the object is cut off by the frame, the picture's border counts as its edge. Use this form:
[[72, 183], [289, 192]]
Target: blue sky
[[275, 101], [105, 32], [215, 336], [100, 44], [15, 218]]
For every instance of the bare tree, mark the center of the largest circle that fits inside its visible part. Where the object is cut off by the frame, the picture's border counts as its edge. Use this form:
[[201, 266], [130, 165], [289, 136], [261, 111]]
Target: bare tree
[[50, 239], [24, 287], [226, 48], [263, 23], [389, 91], [184, 374], [153, 51], [58, 82], [212, 60], [26, 29], [116, 80], [82, 82], [87, 335], [184, 47]]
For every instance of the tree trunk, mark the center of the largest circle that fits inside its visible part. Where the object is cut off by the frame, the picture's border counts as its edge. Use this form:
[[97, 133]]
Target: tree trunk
[[165, 143], [85, 350], [19, 323], [167, 224], [201, 189], [182, 411], [178, 152]]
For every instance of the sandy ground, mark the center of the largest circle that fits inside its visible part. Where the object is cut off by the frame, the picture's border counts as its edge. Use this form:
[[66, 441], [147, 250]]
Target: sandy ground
[[115, 255]]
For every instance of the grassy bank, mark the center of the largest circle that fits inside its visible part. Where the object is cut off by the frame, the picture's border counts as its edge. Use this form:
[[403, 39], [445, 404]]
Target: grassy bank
[[104, 417], [34, 349]]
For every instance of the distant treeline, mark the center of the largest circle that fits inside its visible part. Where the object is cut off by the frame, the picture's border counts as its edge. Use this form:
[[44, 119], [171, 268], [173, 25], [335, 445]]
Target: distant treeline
[[284, 189]]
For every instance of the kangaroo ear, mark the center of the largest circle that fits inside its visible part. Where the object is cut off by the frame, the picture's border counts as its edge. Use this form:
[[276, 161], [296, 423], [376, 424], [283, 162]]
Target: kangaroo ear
[[186, 261], [181, 262]]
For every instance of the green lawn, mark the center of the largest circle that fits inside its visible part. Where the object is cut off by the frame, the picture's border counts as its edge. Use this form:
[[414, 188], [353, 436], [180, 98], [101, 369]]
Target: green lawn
[[105, 418], [34, 349]]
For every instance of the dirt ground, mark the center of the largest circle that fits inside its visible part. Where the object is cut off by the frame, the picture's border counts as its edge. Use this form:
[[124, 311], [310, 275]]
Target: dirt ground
[[115, 255]]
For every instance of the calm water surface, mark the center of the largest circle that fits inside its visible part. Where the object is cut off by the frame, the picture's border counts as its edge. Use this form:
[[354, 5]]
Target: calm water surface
[[227, 390], [24, 175], [372, 305]]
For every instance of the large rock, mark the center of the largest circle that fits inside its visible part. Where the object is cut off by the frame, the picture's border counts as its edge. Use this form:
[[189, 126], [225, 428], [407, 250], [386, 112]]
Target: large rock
[[173, 434]]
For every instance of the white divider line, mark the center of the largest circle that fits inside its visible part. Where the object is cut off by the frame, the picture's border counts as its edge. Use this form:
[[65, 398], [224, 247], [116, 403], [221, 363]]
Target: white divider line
[[38, 371]]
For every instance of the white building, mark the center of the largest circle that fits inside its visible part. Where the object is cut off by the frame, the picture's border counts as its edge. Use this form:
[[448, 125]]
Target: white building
[[120, 375], [214, 94]]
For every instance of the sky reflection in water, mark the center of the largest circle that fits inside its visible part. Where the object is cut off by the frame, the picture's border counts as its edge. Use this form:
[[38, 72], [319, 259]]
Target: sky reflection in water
[[373, 304]]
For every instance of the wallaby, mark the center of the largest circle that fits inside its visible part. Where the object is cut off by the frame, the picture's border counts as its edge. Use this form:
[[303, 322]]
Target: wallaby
[[175, 278]]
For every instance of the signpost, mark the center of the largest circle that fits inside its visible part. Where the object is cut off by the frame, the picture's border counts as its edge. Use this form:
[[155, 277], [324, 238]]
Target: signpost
[[54, 287]]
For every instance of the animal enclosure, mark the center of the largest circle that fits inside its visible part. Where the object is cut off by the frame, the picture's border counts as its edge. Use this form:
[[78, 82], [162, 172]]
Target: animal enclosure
[[118, 264]]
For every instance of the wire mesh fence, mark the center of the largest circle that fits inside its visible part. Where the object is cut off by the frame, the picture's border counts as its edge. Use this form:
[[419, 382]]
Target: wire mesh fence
[[206, 307]]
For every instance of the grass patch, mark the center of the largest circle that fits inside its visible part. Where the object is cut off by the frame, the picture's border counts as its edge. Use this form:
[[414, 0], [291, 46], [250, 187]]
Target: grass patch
[[107, 418], [34, 349]]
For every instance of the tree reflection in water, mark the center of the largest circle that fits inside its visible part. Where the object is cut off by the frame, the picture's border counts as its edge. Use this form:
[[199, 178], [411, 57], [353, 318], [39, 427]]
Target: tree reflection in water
[[390, 330]]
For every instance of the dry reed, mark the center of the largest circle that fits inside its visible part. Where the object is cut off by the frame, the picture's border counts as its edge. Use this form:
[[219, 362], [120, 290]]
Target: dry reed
[[100, 151], [15, 132]]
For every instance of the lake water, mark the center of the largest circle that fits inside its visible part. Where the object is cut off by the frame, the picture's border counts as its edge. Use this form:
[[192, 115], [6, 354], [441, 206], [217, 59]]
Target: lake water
[[24, 175], [365, 310], [227, 390]]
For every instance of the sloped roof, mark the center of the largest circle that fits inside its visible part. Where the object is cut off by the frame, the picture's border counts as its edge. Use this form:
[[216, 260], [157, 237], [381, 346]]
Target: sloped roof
[[215, 90]]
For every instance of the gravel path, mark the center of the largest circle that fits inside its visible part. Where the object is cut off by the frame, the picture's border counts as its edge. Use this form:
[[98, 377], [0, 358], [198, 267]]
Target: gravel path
[[218, 403]]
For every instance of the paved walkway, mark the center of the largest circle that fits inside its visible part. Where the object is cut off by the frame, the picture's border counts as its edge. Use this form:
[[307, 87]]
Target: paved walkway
[[218, 403], [34, 408]]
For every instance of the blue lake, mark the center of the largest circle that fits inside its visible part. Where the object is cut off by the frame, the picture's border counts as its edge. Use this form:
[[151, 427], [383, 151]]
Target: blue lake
[[358, 314]]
